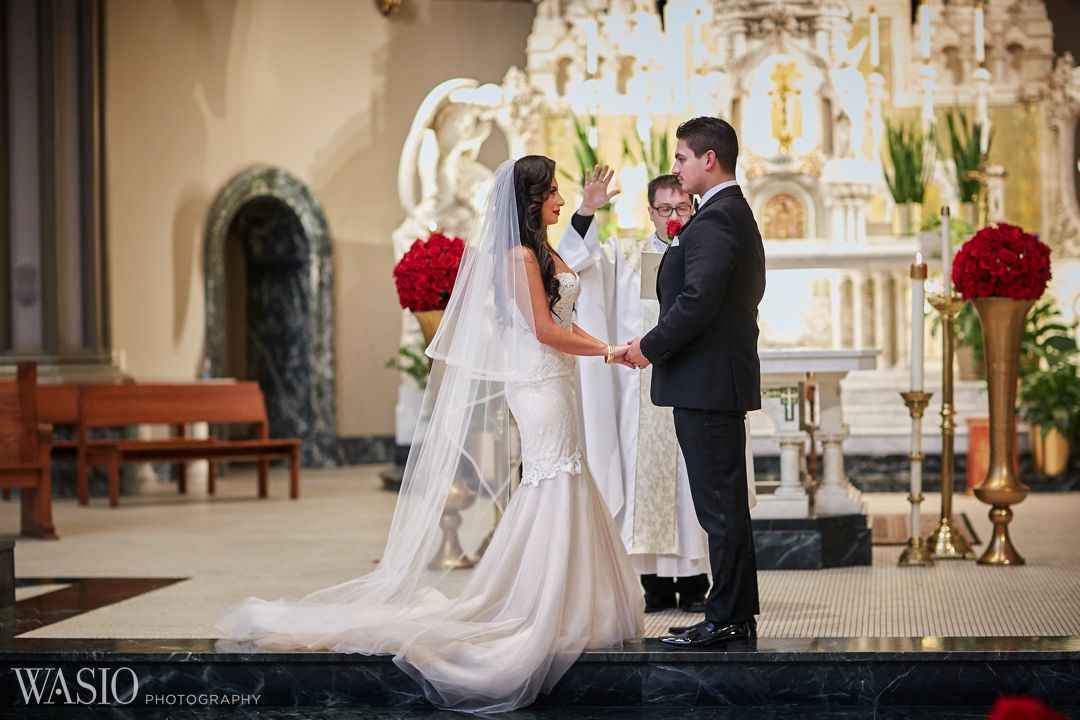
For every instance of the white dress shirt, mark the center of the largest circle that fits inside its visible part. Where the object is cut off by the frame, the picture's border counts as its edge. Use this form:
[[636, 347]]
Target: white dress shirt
[[715, 189]]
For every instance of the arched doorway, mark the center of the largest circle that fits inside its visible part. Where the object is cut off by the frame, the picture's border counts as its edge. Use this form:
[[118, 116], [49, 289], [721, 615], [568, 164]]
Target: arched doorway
[[269, 303]]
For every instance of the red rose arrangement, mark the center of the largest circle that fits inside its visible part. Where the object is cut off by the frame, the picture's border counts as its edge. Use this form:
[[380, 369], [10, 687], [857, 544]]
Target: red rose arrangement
[[425, 274], [673, 228], [1002, 260]]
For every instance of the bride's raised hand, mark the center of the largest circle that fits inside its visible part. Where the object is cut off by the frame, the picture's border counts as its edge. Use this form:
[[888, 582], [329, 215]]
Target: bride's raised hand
[[596, 194]]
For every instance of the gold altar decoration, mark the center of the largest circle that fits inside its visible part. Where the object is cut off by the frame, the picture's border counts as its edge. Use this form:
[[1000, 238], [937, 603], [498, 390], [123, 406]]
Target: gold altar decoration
[[945, 542], [784, 217], [786, 106], [1003, 326]]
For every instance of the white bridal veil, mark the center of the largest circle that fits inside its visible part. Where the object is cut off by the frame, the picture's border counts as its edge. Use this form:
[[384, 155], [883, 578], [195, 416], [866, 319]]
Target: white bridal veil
[[459, 469]]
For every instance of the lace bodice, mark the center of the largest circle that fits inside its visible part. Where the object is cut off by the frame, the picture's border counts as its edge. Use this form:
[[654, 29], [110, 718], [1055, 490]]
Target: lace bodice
[[549, 362], [569, 290]]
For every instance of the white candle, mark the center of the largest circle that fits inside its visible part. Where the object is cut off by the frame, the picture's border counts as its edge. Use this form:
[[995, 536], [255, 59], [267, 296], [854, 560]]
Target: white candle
[[875, 48], [946, 250], [918, 275], [980, 42], [924, 31]]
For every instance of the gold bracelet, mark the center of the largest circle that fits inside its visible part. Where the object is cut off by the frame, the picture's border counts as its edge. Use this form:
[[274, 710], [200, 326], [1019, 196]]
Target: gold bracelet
[[610, 357]]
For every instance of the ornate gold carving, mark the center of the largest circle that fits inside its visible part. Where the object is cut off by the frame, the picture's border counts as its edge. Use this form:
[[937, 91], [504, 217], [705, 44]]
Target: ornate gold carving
[[784, 217]]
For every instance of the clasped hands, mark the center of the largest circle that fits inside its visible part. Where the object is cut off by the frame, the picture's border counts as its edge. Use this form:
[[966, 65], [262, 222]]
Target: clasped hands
[[630, 355]]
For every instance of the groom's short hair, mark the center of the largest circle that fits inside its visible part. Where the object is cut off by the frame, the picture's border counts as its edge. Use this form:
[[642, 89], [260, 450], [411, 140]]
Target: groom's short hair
[[669, 182], [708, 133]]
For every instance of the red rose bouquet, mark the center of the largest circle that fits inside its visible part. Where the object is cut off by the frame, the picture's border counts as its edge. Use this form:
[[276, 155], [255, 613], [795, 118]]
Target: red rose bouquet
[[425, 274], [1002, 260]]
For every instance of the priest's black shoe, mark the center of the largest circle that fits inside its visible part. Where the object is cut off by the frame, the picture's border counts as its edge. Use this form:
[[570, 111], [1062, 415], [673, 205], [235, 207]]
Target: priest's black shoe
[[692, 603], [659, 593], [656, 602], [708, 634]]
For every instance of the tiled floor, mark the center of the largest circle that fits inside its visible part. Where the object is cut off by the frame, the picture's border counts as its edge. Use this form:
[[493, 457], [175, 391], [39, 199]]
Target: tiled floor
[[234, 545]]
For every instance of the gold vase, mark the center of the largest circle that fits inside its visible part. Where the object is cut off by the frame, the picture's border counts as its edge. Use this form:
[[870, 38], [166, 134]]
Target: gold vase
[[1003, 326], [429, 323], [907, 218]]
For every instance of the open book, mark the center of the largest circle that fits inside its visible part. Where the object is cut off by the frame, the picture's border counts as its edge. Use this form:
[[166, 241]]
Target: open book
[[650, 265]]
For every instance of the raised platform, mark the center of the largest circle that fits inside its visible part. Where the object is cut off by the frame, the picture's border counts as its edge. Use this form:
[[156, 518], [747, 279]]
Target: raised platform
[[863, 673], [812, 543]]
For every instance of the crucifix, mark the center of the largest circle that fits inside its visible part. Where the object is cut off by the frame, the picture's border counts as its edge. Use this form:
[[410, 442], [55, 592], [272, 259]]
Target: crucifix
[[982, 202], [786, 110]]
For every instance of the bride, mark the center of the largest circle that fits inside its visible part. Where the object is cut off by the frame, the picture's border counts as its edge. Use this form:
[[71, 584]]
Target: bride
[[554, 579]]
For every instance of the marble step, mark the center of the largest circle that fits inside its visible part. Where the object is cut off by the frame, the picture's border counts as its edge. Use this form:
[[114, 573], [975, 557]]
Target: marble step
[[869, 673]]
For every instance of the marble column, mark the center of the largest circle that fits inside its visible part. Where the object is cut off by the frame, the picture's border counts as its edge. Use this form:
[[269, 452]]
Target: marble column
[[882, 319], [836, 307], [835, 495], [858, 307], [847, 320], [851, 231], [790, 456]]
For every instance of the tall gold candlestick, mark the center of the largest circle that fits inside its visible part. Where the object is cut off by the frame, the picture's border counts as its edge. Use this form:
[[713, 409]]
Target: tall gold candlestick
[[917, 552], [945, 542]]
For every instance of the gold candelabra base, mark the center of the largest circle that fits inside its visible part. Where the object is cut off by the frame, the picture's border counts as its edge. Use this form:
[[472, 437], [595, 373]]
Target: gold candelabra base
[[945, 543], [916, 553]]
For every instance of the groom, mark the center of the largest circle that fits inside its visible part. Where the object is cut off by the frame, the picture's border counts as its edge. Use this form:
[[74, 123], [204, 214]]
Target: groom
[[704, 353]]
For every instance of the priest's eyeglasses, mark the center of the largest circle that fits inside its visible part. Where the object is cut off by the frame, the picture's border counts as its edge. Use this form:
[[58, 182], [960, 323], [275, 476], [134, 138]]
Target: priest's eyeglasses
[[666, 210]]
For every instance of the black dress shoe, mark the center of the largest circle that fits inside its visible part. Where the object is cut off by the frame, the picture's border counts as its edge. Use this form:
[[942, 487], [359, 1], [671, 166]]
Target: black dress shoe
[[708, 634], [680, 629]]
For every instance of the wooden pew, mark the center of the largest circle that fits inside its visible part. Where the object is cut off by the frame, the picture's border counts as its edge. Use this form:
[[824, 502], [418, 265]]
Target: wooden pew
[[177, 405], [59, 405], [24, 452]]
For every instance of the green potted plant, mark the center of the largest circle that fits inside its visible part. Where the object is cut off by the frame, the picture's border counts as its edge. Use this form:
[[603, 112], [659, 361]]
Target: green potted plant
[[1049, 394], [587, 157], [1048, 402], [907, 172]]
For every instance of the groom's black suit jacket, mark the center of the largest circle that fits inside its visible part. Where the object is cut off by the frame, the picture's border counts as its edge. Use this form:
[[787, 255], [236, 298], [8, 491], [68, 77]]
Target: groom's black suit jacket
[[704, 349]]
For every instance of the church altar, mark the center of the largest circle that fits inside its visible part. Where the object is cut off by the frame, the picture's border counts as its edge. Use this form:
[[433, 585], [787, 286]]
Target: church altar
[[783, 375], [808, 85]]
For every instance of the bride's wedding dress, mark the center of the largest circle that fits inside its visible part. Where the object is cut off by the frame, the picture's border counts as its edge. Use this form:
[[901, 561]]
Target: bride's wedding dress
[[555, 579]]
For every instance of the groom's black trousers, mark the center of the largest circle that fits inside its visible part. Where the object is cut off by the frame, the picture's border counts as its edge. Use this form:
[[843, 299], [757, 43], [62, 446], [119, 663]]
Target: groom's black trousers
[[714, 446]]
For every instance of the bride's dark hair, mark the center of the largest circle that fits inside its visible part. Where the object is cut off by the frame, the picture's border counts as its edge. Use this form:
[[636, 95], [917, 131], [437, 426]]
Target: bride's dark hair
[[533, 175]]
